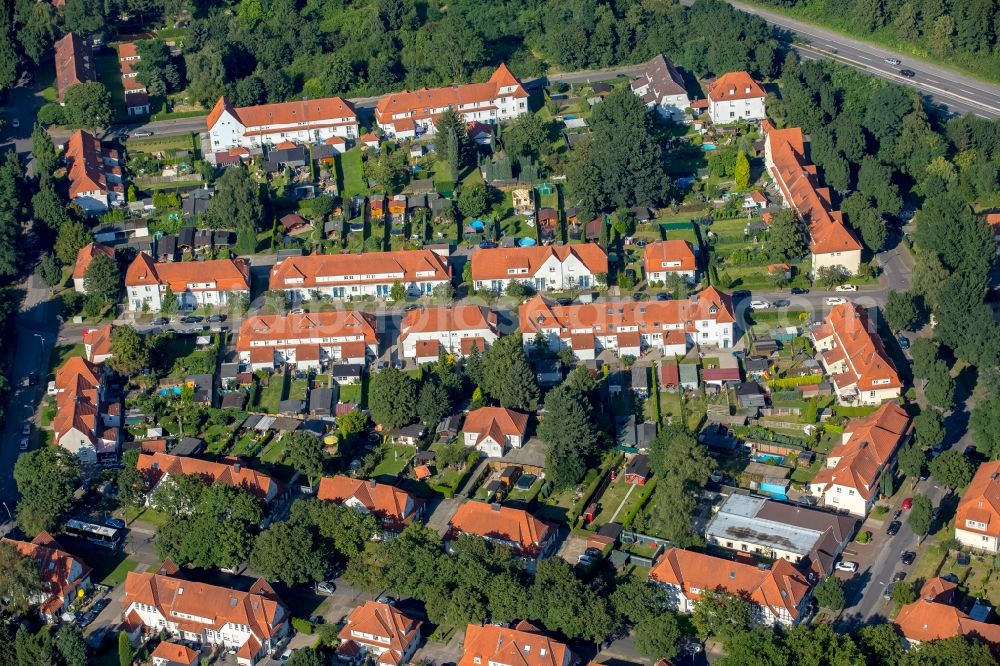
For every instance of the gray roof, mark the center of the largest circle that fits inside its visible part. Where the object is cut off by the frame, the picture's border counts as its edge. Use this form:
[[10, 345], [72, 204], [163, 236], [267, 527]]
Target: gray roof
[[290, 406], [321, 401], [229, 370], [188, 446], [234, 400], [788, 527], [640, 377], [167, 245], [347, 370]]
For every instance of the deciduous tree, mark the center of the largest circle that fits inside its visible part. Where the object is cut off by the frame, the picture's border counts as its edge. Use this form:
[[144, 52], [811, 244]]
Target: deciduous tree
[[102, 278], [392, 398], [19, 578], [921, 516], [87, 105], [830, 593], [305, 454], [46, 479], [129, 351], [951, 469], [286, 552]]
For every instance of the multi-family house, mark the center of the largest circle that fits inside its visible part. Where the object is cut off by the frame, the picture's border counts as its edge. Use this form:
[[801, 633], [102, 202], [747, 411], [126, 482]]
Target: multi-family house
[[661, 88], [776, 530], [852, 353], [831, 242], [84, 256], [157, 468], [780, 593], [495, 430], [97, 343], [529, 538], [735, 97], [865, 458], [304, 121], [379, 633], [195, 284], [543, 267], [96, 180], [74, 60], [521, 645], [670, 257], [251, 622], [406, 114], [932, 617], [349, 276], [62, 575], [977, 520], [456, 329], [393, 507], [136, 95], [628, 328], [86, 424], [307, 340]]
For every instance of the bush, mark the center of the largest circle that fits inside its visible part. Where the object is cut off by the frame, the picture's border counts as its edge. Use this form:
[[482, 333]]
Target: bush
[[864, 537], [301, 625], [51, 114]]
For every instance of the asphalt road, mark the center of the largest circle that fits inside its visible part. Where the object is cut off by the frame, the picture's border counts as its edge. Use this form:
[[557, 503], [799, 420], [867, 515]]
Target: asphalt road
[[959, 93], [36, 331]]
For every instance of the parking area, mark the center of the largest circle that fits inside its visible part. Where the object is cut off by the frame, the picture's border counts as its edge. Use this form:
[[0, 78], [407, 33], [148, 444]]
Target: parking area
[[572, 548]]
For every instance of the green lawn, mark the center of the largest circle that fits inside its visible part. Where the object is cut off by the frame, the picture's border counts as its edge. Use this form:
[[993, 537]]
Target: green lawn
[[156, 144], [270, 395], [151, 517], [352, 168], [351, 393], [394, 460], [525, 495], [110, 74], [61, 354], [117, 575], [298, 389], [612, 499], [274, 452]]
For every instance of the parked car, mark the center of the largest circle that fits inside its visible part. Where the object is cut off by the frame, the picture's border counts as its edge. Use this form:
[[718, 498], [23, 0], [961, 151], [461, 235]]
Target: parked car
[[161, 321], [907, 557], [781, 303], [216, 318], [887, 593], [117, 523], [844, 565], [285, 656], [487, 245], [759, 305], [899, 577], [847, 287], [907, 504], [585, 560], [835, 300], [23, 446], [908, 73], [893, 61], [326, 587], [893, 528], [663, 296], [142, 133], [963, 559], [296, 311], [15, 123], [26, 429], [32, 378], [190, 319], [904, 342], [799, 290]]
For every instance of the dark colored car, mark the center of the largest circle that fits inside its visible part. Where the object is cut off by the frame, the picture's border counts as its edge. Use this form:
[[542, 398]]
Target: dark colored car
[[908, 73], [32, 378], [161, 321], [781, 303], [216, 318], [893, 528], [741, 293], [900, 576], [907, 557], [190, 319], [799, 290], [904, 342], [963, 559], [487, 245], [592, 552], [663, 297], [564, 301], [117, 523]]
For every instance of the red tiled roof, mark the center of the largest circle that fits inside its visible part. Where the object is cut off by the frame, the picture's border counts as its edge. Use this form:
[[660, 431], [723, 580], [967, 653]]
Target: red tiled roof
[[59, 572], [404, 263], [85, 164], [155, 466], [98, 340], [523, 645], [930, 621], [448, 318], [287, 113], [227, 274], [502, 523], [74, 61], [86, 255], [393, 507], [679, 252], [981, 501], [860, 346], [289, 330], [734, 86], [381, 620], [175, 654], [779, 588], [497, 422], [494, 264], [425, 103]]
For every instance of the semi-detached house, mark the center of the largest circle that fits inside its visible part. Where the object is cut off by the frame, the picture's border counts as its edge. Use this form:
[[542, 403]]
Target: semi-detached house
[[527, 536], [307, 341], [406, 114], [855, 469], [628, 328], [977, 520], [84, 256], [780, 593], [831, 242], [543, 268], [252, 623], [455, 329], [157, 468], [393, 507], [304, 121], [735, 97], [670, 257], [521, 645], [378, 633], [852, 353], [349, 276], [96, 180], [195, 283], [661, 87]]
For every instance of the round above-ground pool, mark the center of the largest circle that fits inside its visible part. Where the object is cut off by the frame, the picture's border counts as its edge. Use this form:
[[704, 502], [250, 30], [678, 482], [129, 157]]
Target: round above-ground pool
[[708, 146], [477, 225], [527, 242]]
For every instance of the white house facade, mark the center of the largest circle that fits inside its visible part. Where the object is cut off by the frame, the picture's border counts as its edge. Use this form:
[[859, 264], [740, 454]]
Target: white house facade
[[306, 121]]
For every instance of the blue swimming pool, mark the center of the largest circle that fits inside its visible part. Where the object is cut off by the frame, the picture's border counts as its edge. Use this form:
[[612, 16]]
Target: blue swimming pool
[[708, 146], [175, 390], [569, 117], [477, 225], [527, 242], [685, 182], [770, 458]]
